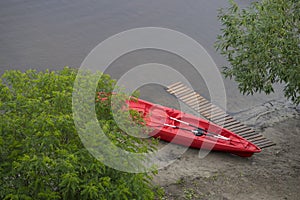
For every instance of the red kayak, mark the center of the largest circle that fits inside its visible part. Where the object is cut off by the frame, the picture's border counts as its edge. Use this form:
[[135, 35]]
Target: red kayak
[[181, 128], [174, 126]]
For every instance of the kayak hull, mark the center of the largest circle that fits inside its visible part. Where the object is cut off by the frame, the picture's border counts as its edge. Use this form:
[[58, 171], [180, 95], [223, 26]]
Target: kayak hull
[[157, 116]]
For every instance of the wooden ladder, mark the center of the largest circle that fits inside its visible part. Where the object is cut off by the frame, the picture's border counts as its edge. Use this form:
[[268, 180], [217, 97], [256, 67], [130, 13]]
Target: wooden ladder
[[216, 115]]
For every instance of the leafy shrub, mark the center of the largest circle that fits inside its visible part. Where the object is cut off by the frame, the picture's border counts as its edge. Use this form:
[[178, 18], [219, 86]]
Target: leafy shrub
[[261, 44], [41, 154]]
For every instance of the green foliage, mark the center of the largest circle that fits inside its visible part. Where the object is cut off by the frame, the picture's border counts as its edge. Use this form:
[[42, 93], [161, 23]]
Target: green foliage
[[262, 45], [41, 154]]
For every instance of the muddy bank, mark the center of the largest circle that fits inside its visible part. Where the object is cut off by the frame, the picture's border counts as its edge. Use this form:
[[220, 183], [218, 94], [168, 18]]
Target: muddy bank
[[272, 174]]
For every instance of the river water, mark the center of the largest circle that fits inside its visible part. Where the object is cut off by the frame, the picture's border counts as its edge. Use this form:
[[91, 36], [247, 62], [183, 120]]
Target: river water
[[52, 34]]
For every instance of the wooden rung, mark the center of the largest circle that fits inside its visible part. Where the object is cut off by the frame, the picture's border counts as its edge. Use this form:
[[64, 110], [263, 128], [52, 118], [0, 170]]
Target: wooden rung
[[176, 86], [194, 105], [172, 85], [217, 114], [192, 101], [234, 126], [224, 121], [230, 123], [172, 91], [211, 117], [179, 88], [248, 131], [197, 103], [201, 101], [203, 104], [201, 108], [242, 129], [213, 110], [249, 135], [262, 143], [188, 96], [182, 93], [228, 117], [250, 138], [256, 140], [252, 132], [220, 116], [267, 145], [209, 109]]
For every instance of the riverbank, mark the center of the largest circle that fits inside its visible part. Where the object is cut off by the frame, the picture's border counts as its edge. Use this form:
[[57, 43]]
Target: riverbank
[[272, 174]]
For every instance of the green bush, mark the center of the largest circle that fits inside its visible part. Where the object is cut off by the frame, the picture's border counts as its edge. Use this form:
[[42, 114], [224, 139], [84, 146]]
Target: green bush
[[41, 154]]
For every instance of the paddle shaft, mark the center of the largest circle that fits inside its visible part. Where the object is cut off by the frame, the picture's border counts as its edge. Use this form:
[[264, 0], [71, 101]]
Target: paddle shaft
[[185, 129], [201, 129]]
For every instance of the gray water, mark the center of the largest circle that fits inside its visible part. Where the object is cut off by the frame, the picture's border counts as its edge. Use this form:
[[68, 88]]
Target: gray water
[[53, 34]]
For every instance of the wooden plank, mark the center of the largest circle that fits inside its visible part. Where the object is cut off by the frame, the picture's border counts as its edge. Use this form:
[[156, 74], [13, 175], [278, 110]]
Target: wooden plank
[[182, 93], [240, 129], [216, 115], [208, 114], [189, 96], [250, 138], [262, 143], [204, 108], [230, 123], [219, 116], [177, 88], [201, 101], [227, 120], [267, 145], [201, 98], [203, 104], [256, 140], [235, 126], [249, 134], [199, 105], [207, 108], [174, 84], [248, 131], [194, 105], [210, 109], [190, 99]]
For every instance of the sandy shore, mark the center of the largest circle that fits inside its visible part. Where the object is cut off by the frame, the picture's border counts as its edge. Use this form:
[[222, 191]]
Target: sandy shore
[[272, 174]]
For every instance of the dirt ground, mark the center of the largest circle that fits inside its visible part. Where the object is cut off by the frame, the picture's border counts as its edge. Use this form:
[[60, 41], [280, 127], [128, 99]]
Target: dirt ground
[[272, 174]]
